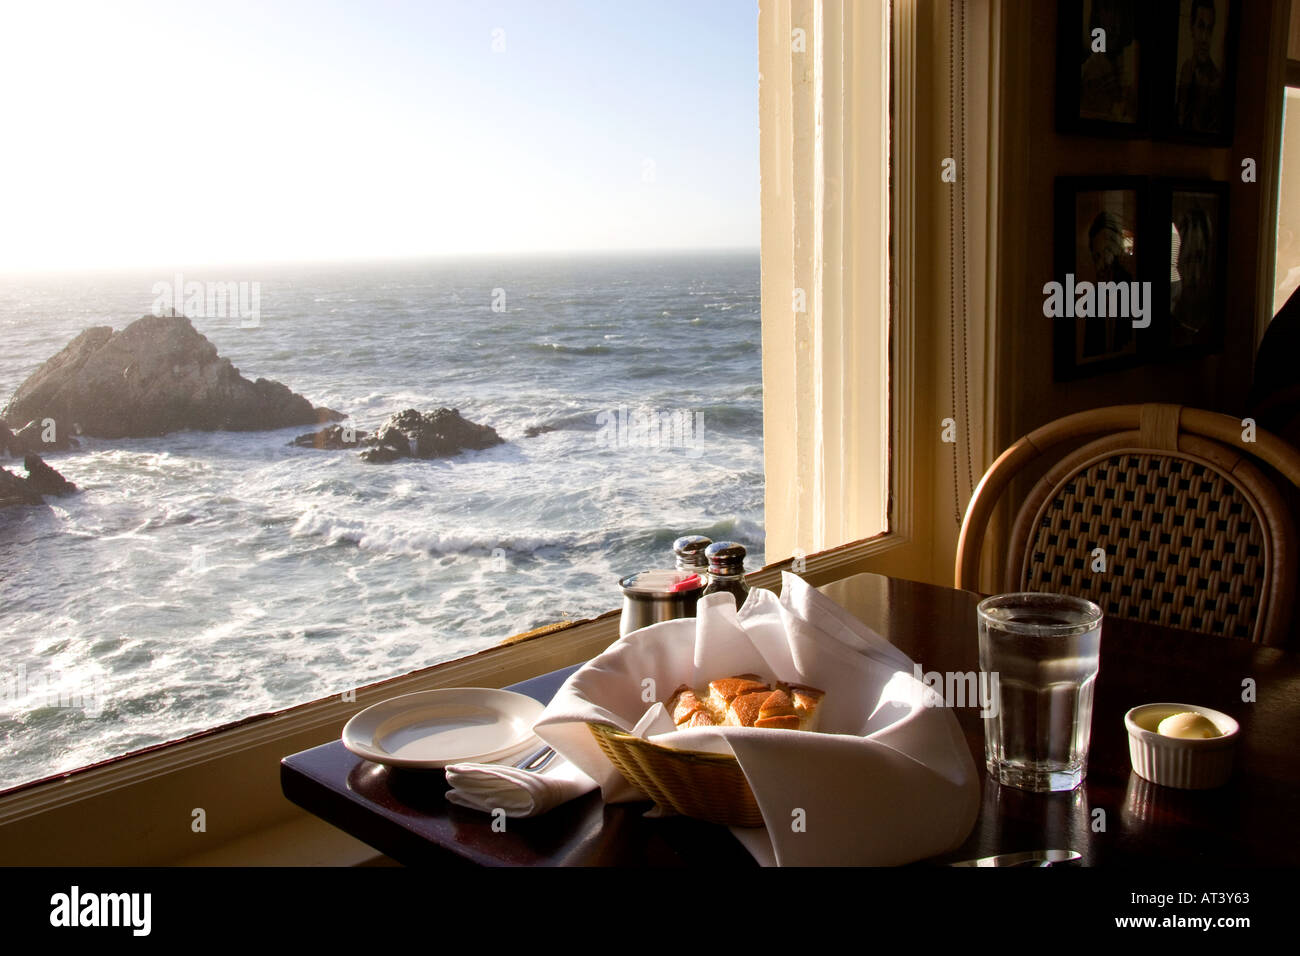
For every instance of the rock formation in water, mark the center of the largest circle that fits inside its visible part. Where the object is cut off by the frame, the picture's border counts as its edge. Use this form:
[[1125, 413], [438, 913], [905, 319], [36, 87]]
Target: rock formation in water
[[9, 447], [436, 434], [333, 437], [157, 375], [15, 491], [41, 480], [44, 480]]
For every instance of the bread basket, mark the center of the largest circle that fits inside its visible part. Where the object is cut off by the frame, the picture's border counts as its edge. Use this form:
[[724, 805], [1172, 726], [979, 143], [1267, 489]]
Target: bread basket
[[706, 786]]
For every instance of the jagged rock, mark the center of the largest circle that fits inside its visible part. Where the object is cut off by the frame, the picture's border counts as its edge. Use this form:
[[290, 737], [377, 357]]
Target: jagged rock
[[41, 480], [155, 376], [16, 491], [44, 480], [329, 438], [383, 453], [532, 431], [436, 434]]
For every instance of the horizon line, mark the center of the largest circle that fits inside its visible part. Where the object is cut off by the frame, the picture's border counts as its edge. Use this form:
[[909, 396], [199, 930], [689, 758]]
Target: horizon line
[[156, 268]]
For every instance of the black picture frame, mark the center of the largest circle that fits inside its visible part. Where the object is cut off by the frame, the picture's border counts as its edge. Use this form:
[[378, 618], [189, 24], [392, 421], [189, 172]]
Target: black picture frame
[[1193, 293], [1102, 235], [1193, 91], [1102, 92]]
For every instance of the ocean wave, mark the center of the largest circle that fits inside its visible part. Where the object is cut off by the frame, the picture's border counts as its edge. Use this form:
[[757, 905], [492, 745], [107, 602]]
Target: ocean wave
[[172, 517], [747, 532], [338, 487], [585, 421], [718, 416], [557, 348], [390, 537]]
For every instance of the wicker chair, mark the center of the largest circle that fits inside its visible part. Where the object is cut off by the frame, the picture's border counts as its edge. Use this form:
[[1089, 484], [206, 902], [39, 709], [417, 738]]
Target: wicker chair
[[1194, 535]]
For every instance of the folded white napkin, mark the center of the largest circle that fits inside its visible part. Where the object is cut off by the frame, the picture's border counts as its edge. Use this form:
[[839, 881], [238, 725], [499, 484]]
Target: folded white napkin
[[886, 780], [520, 793]]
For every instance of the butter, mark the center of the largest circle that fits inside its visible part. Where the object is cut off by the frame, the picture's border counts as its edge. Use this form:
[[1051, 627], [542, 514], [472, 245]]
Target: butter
[[1187, 725]]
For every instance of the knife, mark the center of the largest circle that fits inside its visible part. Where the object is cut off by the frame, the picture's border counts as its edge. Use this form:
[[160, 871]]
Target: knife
[[1028, 858]]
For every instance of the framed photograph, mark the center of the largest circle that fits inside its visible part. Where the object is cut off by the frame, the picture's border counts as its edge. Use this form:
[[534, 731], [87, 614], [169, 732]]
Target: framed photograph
[[1100, 87], [1195, 85], [1101, 298], [1193, 297]]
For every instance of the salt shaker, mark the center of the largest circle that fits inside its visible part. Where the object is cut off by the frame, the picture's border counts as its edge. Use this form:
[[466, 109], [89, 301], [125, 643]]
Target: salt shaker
[[727, 570], [690, 553]]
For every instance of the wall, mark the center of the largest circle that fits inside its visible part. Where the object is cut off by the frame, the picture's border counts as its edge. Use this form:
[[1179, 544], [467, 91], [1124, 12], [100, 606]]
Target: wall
[[1004, 387], [1028, 156], [1030, 397]]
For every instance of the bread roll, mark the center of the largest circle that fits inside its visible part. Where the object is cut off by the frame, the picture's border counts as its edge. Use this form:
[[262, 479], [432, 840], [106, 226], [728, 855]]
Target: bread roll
[[747, 701], [684, 705], [807, 703]]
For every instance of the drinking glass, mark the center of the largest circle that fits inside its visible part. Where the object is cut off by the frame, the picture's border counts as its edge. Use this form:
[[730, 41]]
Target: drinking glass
[[1041, 655]]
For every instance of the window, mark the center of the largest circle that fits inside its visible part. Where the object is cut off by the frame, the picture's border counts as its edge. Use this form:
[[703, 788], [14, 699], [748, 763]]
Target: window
[[848, 299], [1286, 273], [547, 222], [1286, 276]]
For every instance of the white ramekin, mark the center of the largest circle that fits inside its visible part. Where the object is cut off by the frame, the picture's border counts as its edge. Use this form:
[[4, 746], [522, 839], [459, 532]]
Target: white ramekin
[[1195, 764]]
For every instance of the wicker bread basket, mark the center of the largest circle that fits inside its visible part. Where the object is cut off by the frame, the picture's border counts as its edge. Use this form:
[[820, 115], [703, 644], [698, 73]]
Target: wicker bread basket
[[706, 786]]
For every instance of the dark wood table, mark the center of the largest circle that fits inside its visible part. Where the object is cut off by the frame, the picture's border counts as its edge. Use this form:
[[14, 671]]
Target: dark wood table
[[1115, 818]]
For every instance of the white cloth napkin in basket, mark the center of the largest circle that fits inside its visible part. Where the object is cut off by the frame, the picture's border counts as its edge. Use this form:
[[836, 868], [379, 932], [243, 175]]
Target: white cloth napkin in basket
[[885, 780]]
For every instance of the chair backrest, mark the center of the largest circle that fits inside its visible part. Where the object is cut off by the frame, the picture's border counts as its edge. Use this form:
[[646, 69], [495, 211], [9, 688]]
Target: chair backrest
[[1163, 519]]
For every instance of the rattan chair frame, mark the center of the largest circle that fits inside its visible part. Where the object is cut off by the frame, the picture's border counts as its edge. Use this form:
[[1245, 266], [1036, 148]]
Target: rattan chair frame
[[1211, 439]]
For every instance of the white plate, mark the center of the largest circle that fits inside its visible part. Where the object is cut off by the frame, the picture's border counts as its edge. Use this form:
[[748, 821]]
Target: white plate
[[434, 728]]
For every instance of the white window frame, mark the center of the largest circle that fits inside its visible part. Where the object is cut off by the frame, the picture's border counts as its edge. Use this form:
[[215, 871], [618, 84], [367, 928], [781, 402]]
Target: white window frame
[[828, 213], [824, 147], [1284, 72]]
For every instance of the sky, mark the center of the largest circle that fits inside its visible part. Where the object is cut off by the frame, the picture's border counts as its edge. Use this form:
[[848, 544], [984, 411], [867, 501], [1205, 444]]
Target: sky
[[177, 132]]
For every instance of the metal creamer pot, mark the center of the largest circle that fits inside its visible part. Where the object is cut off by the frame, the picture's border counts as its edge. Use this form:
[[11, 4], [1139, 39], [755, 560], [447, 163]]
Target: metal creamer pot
[[653, 596]]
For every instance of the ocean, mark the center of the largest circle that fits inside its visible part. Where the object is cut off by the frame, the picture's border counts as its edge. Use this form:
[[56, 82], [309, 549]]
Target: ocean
[[204, 577]]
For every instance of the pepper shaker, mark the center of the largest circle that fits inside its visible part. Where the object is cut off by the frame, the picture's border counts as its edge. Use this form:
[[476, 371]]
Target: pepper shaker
[[727, 570]]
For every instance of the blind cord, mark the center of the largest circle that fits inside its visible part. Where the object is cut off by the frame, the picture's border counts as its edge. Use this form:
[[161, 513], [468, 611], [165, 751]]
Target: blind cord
[[957, 287]]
